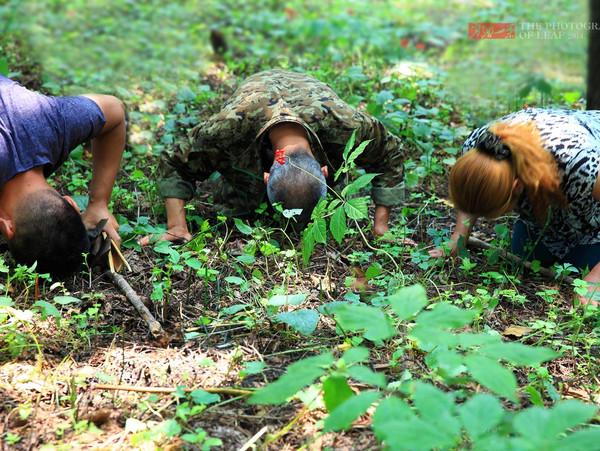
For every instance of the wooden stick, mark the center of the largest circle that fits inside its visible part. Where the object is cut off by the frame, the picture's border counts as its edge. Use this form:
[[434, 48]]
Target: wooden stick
[[166, 390], [548, 273], [155, 328], [254, 439]]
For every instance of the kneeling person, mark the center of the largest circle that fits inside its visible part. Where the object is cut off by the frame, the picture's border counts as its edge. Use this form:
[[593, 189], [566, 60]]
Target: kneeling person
[[37, 133], [287, 131]]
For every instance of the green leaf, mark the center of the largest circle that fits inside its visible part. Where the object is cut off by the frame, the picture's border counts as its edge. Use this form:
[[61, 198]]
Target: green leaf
[[358, 184], [437, 408], [585, 440], [446, 316], [447, 360], [492, 375], [253, 367], [171, 428], [337, 225], [357, 208], [356, 152], [359, 317], [355, 355], [308, 244], [304, 321], [203, 397], [408, 301], [298, 375], [319, 230], [481, 414], [430, 336], [335, 391], [391, 412], [518, 353], [286, 299], [66, 300], [242, 226], [5, 301], [348, 411], [366, 375], [4, 67], [373, 271], [47, 309], [349, 145]]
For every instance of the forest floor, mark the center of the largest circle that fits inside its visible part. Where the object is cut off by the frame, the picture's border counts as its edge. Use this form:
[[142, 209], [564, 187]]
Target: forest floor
[[217, 296]]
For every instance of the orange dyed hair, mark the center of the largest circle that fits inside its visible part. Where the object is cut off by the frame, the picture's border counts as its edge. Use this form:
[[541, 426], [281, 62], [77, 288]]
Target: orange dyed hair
[[481, 185]]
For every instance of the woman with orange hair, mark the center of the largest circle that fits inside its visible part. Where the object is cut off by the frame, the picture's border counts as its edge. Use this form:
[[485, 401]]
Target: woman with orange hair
[[546, 165]]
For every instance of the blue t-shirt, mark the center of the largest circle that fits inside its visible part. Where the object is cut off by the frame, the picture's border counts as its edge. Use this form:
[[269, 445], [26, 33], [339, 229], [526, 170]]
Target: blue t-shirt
[[38, 130]]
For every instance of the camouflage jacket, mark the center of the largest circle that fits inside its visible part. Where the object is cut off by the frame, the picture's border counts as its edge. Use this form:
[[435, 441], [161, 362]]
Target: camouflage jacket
[[235, 141]]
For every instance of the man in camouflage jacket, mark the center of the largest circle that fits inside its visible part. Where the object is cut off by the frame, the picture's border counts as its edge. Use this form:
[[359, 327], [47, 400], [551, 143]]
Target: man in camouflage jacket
[[272, 110]]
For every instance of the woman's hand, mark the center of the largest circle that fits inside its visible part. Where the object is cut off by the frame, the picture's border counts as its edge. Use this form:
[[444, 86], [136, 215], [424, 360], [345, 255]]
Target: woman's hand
[[464, 225]]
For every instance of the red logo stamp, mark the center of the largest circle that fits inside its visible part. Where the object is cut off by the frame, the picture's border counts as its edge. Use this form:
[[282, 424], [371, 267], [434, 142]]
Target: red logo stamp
[[491, 30]]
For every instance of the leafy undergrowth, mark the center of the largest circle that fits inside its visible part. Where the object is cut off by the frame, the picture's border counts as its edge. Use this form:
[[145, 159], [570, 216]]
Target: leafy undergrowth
[[331, 339]]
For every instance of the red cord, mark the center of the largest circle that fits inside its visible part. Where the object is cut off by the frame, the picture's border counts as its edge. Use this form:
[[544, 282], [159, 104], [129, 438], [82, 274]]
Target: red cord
[[280, 156]]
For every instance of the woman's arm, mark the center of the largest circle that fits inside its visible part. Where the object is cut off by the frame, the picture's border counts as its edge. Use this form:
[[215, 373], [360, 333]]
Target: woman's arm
[[463, 228]]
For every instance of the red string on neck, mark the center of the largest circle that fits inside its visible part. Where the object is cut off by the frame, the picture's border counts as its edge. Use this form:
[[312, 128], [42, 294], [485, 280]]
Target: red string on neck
[[280, 156]]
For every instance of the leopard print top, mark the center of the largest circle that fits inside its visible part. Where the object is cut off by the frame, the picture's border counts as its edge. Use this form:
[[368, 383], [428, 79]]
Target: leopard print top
[[573, 138]]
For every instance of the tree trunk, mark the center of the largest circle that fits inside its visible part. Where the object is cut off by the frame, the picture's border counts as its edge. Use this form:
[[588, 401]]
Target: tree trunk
[[593, 75]]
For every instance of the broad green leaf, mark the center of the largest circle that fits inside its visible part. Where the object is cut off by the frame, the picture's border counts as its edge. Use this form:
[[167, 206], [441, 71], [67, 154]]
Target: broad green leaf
[[585, 440], [359, 317], [390, 412], [518, 353], [447, 360], [414, 434], [357, 208], [357, 184], [193, 263], [373, 271], [437, 408], [304, 321], [430, 336], [355, 355], [319, 230], [5, 301], [253, 367], [170, 428], [47, 309], [242, 226], [298, 375], [235, 280], [66, 300], [446, 316], [466, 340], [408, 301], [366, 375], [286, 299], [337, 225], [335, 391], [481, 414], [348, 411], [492, 375], [203, 397]]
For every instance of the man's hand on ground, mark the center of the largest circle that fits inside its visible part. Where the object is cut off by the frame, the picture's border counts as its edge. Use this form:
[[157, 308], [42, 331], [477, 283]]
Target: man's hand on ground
[[94, 214], [173, 234]]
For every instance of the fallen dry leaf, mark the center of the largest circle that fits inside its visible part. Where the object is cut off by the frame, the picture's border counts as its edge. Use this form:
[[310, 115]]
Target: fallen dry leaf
[[516, 331]]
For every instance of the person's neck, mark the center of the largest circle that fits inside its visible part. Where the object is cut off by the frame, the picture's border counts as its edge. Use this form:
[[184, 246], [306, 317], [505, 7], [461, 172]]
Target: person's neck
[[20, 186], [290, 137]]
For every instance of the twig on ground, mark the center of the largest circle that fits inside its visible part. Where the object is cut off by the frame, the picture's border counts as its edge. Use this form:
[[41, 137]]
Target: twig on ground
[[155, 328], [167, 390], [254, 439], [548, 273]]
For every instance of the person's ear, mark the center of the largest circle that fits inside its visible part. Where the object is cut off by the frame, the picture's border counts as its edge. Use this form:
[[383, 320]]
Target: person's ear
[[73, 203], [266, 176], [325, 171], [7, 228]]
